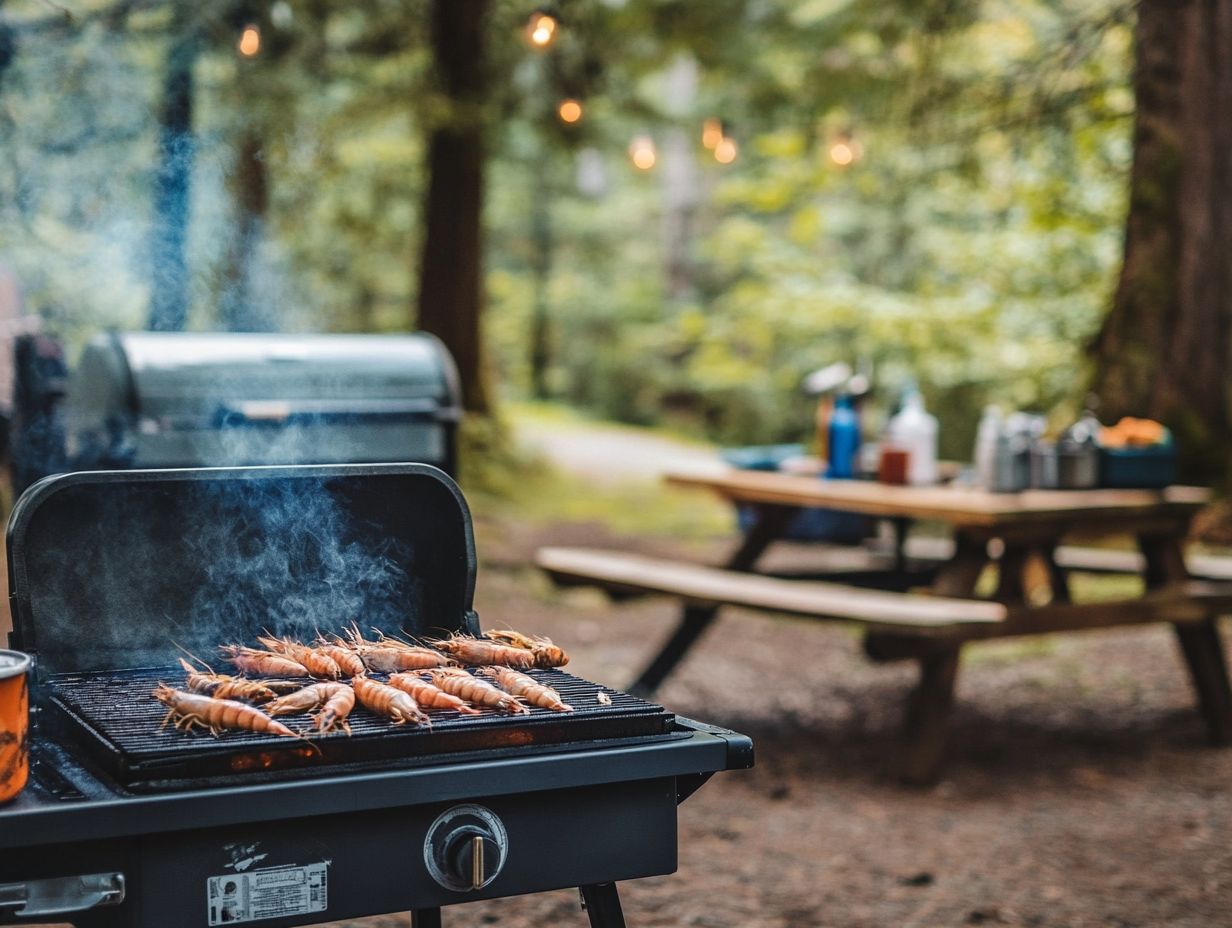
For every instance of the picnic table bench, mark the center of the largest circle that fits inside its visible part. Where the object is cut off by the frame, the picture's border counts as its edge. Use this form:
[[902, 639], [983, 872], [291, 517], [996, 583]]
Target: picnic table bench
[[931, 628]]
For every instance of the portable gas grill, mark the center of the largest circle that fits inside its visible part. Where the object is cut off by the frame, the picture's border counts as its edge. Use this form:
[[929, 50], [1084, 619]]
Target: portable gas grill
[[222, 399], [113, 574]]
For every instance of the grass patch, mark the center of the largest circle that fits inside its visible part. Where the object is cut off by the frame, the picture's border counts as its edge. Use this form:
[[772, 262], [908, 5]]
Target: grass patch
[[545, 413], [545, 496]]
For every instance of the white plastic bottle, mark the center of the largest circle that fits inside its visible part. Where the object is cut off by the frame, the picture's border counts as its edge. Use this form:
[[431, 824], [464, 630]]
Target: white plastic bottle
[[915, 431], [990, 428]]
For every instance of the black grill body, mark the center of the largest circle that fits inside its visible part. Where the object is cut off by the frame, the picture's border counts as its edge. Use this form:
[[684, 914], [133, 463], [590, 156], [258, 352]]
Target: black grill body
[[111, 577]]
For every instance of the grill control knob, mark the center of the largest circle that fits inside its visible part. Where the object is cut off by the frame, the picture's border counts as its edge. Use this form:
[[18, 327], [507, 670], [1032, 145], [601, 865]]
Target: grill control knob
[[469, 852], [466, 847]]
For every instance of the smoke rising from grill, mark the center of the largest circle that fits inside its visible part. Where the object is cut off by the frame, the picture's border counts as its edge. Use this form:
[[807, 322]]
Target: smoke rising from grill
[[288, 560]]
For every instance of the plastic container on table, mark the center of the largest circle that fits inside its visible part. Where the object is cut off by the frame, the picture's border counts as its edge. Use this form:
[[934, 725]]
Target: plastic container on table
[[914, 430], [1147, 468]]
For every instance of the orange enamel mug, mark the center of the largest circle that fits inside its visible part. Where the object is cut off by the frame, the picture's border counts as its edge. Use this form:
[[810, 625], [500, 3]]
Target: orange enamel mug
[[14, 723]]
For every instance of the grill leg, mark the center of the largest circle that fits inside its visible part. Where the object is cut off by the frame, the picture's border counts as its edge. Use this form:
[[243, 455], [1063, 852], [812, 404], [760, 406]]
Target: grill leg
[[425, 918], [602, 904]]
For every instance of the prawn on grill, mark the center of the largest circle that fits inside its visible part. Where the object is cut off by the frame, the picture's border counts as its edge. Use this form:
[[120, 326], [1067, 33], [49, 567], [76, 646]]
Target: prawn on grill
[[317, 663], [221, 686], [526, 688], [192, 709], [476, 652], [391, 656], [479, 692], [390, 702], [347, 660], [263, 663], [428, 695], [335, 700], [547, 655]]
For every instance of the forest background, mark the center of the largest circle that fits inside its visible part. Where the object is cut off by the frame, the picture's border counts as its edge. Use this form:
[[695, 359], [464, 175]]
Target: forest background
[[935, 190]]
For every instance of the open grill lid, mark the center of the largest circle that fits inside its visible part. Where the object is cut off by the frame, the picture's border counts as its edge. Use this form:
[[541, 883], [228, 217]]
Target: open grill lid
[[123, 569]]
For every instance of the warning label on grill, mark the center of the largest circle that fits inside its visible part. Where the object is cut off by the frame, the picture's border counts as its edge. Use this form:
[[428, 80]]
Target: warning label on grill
[[275, 892]]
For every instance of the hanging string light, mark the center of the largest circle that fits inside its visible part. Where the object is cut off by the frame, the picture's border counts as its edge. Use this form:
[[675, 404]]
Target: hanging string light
[[569, 110], [712, 133], [249, 44], [845, 151], [726, 150], [642, 152], [541, 29]]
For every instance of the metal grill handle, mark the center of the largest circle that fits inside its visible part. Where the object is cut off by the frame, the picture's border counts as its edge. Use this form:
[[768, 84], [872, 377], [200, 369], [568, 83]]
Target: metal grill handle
[[56, 895]]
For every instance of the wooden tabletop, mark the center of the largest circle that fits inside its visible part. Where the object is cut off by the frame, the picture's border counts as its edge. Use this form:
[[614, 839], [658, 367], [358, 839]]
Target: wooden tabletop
[[959, 506]]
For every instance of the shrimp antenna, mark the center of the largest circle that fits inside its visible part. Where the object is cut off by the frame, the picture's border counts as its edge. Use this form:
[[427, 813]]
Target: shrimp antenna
[[193, 656]]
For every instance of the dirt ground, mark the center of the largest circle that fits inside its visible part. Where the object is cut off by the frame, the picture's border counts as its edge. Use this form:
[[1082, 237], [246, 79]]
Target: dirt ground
[[1079, 792]]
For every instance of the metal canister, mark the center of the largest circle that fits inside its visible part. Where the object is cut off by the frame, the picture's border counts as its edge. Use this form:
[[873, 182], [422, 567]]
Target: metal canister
[[14, 723], [1045, 473]]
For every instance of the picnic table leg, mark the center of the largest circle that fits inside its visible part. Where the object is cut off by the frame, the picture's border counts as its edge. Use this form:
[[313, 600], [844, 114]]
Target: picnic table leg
[[926, 721], [1201, 645], [1203, 652], [769, 524], [1058, 580], [1011, 571], [928, 717], [959, 575]]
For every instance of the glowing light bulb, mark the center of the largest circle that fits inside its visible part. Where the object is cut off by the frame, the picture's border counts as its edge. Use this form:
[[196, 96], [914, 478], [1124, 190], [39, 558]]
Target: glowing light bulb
[[642, 152], [569, 111], [725, 151], [842, 153], [250, 41], [541, 29], [712, 133]]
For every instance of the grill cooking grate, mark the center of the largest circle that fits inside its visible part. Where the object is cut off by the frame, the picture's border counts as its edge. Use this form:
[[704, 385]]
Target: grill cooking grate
[[115, 716]]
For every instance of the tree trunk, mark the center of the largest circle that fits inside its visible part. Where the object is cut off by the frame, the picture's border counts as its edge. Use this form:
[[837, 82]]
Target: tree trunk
[[1164, 348], [541, 266], [172, 187], [250, 191], [451, 294]]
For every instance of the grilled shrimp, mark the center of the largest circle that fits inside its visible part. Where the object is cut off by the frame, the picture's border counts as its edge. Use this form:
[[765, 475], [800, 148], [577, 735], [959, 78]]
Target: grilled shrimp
[[263, 663], [347, 660], [476, 652], [547, 655], [303, 699], [318, 663], [221, 686], [391, 656], [526, 688], [338, 700], [388, 701], [461, 684], [336, 709], [428, 695], [189, 709]]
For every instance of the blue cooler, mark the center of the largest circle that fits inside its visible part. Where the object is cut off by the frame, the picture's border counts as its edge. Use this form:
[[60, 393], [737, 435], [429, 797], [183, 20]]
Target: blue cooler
[[816, 524]]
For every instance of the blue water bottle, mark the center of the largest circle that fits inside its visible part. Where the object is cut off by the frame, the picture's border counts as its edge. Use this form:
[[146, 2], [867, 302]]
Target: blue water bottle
[[844, 439]]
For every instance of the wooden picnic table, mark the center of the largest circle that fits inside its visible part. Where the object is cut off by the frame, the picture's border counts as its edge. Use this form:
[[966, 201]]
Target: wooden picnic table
[[1021, 526]]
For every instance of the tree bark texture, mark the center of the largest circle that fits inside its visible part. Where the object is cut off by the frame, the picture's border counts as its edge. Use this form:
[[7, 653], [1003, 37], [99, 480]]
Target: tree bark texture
[[451, 292], [238, 310], [169, 296], [541, 266], [1164, 349]]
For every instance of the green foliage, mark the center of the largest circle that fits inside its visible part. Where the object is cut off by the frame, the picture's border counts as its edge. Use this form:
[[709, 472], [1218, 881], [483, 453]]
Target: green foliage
[[971, 248]]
